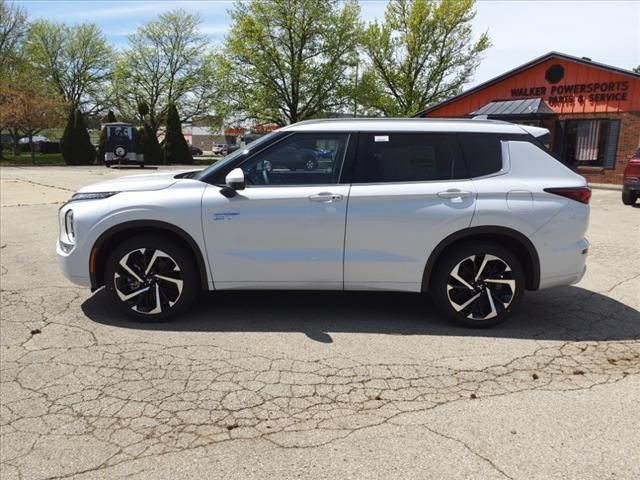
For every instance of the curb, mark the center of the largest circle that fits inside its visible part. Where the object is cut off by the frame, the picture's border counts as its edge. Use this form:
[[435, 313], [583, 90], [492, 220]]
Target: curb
[[605, 186]]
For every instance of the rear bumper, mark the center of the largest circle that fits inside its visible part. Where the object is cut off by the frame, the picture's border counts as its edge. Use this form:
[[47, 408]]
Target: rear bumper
[[631, 187], [573, 259]]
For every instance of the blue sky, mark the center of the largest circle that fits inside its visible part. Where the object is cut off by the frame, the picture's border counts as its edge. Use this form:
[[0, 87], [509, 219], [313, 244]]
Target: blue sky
[[607, 31]]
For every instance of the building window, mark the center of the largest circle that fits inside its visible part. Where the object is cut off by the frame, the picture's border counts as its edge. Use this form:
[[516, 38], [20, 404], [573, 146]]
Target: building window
[[589, 143]]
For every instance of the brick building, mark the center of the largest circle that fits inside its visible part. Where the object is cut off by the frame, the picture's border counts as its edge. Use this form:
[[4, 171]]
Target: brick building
[[591, 110]]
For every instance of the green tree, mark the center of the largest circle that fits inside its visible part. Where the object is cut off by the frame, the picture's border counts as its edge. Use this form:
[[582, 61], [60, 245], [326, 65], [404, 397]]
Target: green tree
[[289, 60], [149, 138], [76, 144], [167, 61], [422, 53], [76, 60], [176, 149], [13, 27]]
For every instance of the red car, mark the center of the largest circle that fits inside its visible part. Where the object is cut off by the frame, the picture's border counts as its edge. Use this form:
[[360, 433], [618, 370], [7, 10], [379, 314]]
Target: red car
[[631, 180]]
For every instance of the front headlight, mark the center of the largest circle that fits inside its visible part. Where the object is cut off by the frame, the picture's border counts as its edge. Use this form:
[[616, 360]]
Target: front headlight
[[91, 196], [67, 231], [68, 225]]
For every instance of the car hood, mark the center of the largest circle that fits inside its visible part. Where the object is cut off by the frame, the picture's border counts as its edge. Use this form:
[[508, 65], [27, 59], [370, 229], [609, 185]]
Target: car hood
[[135, 183]]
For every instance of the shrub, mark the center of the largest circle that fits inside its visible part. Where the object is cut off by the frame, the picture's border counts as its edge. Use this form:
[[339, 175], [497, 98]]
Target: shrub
[[176, 149], [150, 146], [76, 144]]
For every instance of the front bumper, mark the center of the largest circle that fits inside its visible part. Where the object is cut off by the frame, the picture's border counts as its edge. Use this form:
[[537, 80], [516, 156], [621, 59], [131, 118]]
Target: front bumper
[[72, 266]]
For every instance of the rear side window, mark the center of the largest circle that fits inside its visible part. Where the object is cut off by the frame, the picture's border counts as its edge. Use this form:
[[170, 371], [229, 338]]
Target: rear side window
[[406, 157], [482, 153]]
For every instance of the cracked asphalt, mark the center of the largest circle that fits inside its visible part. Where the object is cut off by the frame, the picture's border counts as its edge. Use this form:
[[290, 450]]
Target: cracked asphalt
[[312, 385]]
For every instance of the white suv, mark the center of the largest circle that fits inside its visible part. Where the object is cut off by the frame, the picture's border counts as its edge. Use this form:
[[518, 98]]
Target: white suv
[[474, 212]]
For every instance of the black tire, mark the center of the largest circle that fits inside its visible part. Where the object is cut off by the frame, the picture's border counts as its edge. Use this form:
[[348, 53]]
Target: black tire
[[629, 198], [456, 281], [171, 265]]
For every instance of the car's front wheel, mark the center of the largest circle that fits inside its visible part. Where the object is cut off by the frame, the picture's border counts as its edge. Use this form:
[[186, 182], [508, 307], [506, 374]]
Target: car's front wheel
[[151, 278], [479, 284]]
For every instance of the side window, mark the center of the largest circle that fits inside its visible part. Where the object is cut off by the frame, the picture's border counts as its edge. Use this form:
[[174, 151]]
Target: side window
[[482, 153], [300, 159], [406, 157]]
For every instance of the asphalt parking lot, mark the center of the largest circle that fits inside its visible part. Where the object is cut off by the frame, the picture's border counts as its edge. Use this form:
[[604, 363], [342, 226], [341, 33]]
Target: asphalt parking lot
[[312, 385]]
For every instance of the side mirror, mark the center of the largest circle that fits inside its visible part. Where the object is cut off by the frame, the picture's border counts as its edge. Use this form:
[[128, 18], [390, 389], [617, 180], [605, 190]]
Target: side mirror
[[234, 182]]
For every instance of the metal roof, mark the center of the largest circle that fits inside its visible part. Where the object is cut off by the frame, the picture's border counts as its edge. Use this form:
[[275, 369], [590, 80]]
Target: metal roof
[[523, 106]]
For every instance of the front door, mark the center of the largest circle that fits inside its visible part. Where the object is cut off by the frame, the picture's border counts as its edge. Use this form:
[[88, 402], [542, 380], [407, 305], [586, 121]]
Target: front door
[[286, 228]]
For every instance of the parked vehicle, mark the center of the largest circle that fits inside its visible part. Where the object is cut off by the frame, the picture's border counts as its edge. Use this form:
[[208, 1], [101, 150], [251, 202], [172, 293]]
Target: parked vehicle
[[195, 151], [473, 212], [631, 180], [220, 149], [121, 145], [293, 157]]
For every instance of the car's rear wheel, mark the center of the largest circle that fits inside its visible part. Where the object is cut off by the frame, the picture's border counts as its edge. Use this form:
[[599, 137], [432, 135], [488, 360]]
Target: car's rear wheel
[[479, 284], [629, 198], [151, 279]]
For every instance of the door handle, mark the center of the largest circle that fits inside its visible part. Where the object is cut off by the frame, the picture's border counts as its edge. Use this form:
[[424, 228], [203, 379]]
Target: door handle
[[454, 194], [325, 197]]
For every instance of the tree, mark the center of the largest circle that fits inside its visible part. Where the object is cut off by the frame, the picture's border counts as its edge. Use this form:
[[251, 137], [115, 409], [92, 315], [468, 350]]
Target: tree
[[148, 137], [176, 149], [76, 144], [76, 60], [422, 53], [26, 108], [166, 61], [289, 60], [13, 27]]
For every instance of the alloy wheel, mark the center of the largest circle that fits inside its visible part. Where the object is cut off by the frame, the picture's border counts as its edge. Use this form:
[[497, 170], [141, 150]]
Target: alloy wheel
[[148, 280], [481, 287]]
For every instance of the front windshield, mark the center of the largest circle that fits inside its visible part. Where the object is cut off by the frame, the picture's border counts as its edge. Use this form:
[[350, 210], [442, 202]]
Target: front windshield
[[232, 156]]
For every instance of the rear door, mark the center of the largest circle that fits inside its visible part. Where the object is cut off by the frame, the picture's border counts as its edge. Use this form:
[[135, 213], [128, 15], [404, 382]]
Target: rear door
[[409, 191]]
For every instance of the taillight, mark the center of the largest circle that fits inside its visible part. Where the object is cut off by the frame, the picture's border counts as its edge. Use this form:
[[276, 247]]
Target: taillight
[[579, 194]]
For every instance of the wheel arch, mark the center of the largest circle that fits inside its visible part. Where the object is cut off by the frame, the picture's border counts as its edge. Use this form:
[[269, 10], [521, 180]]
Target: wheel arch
[[116, 234], [516, 242]]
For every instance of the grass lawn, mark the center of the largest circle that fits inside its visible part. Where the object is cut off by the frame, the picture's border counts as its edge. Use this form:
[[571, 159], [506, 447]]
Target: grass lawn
[[25, 159]]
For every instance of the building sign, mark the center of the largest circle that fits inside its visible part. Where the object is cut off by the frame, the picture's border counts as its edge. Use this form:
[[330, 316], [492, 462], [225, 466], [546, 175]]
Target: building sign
[[572, 93], [566, 84]]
